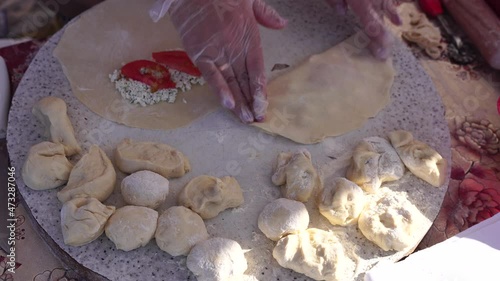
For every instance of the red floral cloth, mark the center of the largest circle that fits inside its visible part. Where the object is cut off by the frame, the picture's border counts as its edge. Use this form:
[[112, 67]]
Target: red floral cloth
[[18, 58]]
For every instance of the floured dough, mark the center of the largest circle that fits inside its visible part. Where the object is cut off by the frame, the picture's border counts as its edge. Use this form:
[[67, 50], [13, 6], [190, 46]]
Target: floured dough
[[421, 159], [46, 166], [117, 37], [421, 31], [373, 162], [145, 188], [392, 222], [281, 217], [52, 112], [341, 202], [315, 253], [297, 176], [132, 156], [178, 230], [329, 94], [208, 196], [131, 227], [94, 176], [83, 220], [217, 259]]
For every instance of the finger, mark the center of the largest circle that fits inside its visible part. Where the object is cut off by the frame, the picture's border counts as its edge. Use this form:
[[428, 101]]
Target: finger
[[374, 28], [217, 82], [391, 11], [240, 70], [241, 108], [381, 46], [257, 79], [267, 16]]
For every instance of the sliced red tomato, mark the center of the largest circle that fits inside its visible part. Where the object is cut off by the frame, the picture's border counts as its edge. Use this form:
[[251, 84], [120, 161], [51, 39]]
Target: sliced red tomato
[[148, 72], [178, 60]]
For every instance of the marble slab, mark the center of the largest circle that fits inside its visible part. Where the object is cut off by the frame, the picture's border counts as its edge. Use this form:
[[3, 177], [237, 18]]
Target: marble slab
[[219, 145]]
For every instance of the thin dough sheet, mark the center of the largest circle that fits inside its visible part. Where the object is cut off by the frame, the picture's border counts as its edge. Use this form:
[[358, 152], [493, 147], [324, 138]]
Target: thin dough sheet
[[113, 37], [329, 94]]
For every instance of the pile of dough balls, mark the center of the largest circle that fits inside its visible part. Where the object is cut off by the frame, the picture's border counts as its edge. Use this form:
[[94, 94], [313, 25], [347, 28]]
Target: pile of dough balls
[[389, 219], [313, 252], [179, 230]]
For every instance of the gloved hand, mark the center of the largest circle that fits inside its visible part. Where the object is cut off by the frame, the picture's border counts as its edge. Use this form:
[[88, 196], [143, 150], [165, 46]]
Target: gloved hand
[[222, 38], [371, 15]]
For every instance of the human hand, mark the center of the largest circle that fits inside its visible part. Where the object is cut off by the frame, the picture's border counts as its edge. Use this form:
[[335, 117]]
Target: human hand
[[371, 15], [222, 38]]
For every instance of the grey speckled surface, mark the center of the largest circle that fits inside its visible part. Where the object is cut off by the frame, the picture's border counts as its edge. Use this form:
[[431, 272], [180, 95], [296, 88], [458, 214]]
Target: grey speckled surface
[[220, 145]]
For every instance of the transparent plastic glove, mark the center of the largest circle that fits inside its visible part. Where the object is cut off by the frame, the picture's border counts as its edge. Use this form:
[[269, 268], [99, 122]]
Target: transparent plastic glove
[[222, 38], [371, 15]]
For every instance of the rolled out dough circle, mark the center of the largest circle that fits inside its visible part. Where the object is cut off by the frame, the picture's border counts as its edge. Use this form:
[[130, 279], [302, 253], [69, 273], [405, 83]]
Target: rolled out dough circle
[[115, 34], [329, 94]]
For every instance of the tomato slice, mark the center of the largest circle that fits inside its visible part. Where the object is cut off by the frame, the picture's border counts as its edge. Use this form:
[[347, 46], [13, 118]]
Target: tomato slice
[[149, 72], [178, 60]]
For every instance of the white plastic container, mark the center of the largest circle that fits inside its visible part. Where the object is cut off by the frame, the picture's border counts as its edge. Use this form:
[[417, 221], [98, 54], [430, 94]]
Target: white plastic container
[[4, 97]]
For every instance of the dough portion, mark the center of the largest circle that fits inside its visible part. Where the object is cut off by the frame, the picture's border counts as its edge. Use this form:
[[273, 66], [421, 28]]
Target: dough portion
[[83, 220], [329, 94], [281, 217], [208, 196], [94, 176], [145, 188], [373, 162], [131, 227], [297, 176], [217, 259], [341, 202], [52, 112], [421, 159], [178, 230], [132, 156], [315, 253], [392, 222], [117, 37], [46, 166]]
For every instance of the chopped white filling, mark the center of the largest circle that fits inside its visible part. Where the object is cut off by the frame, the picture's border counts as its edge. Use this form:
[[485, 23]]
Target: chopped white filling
[[183, 81], [139, 93]]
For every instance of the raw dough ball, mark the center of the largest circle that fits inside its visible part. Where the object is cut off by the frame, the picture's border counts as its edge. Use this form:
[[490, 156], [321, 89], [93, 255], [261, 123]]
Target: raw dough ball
[[52, 112], [374, 161], [297, 175], [145, 188], [179, 229], [341, 202], [46, 166], [93, 175], [83, 220], [392, 222], [132, 156], [131, 227], [208, 196], [281, 217], [217, 259], [315, 253], [421, 159]]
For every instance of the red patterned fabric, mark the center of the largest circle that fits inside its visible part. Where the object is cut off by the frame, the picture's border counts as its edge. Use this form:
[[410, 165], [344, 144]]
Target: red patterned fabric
[[495, 5], [18, 58]]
